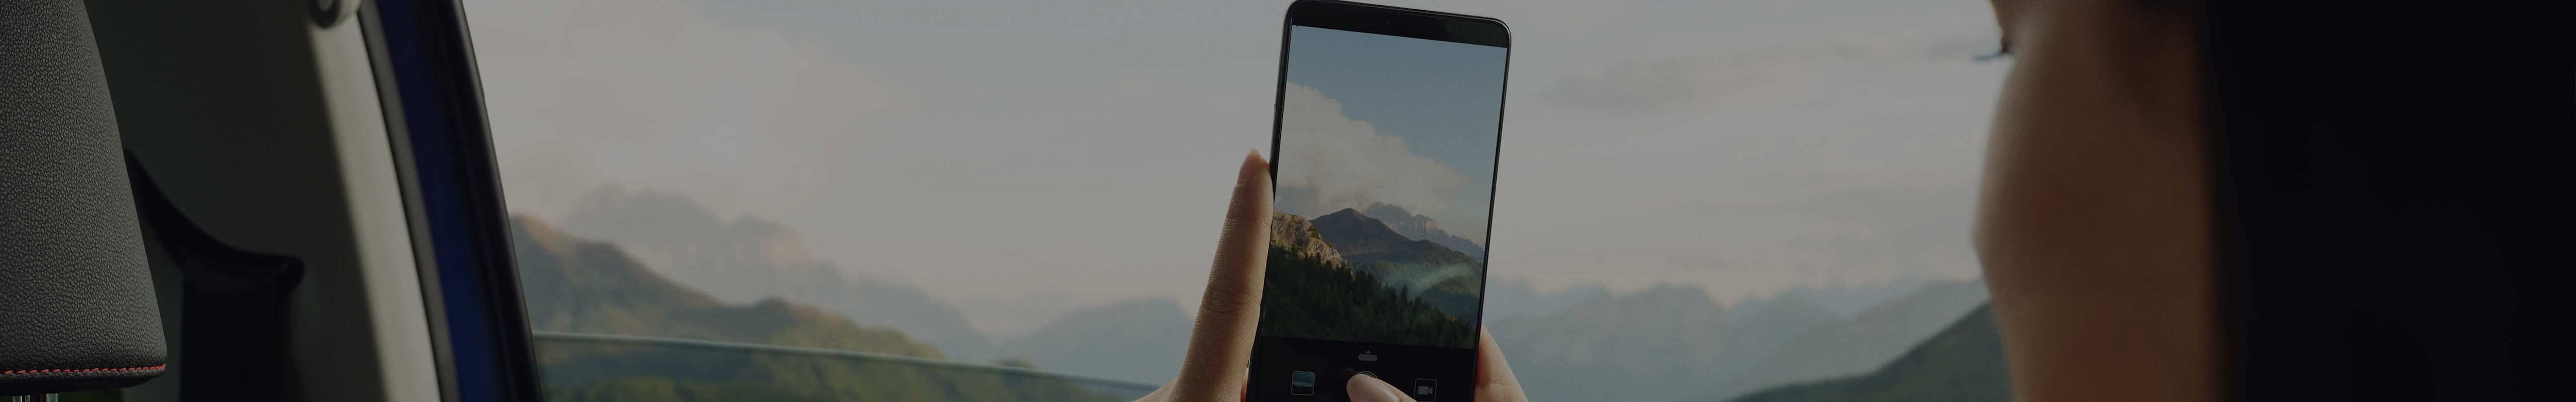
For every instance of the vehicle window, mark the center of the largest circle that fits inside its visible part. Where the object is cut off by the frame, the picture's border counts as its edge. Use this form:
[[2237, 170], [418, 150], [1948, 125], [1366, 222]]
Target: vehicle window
[[1017, 200]]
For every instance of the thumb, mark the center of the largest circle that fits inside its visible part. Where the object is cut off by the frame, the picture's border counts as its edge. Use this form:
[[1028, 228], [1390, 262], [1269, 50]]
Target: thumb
[[1369, 389], [1221, 341]]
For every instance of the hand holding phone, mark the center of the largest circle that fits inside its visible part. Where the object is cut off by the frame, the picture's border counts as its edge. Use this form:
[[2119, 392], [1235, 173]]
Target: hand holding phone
[[1361, 252], [1220, 346], [1385, 140]]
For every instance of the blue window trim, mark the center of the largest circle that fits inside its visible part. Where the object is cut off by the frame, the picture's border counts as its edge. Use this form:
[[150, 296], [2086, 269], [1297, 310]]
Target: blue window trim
[[427, 54]]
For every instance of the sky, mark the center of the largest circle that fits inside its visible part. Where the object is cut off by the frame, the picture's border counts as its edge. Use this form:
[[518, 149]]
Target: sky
[[1030, 157], [1409, 122]]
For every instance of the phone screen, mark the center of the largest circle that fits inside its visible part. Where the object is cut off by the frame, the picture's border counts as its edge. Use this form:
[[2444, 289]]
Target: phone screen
[[1384, 162]]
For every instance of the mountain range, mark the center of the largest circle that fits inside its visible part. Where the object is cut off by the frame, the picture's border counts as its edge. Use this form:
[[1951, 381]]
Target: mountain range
[[1964, 363], [1422, 227], [1652, 344], [1445, 278], [1360, 237], [577, 285], [1846, 299], [1512, 297], [1584, 343], [1631, 335], [1674, 342], [745, 259], [1448, 279], [588, 287], [1137, 340], [1862, 343]]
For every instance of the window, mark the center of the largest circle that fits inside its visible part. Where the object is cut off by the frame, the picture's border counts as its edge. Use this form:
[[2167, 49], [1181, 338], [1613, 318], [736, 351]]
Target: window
[[943, 200]]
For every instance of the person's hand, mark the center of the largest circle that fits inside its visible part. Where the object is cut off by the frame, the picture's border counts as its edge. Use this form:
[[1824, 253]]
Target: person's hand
[[1494, 381], [1220, 351]]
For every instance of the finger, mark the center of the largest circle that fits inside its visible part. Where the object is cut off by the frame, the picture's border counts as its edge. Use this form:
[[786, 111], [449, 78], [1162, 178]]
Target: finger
[[1221, 341], [1494, 380], [1369, 389]]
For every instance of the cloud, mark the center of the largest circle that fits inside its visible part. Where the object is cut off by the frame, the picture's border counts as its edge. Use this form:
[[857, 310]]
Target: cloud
[[1688, 81], [657, 94], [1340, 163]]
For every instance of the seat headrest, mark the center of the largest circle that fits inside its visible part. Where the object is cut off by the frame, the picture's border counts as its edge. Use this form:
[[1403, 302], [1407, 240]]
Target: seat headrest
[[76, 301]]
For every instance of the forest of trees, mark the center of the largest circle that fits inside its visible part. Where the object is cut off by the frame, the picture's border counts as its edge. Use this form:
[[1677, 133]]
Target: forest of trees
[[1305, 297]]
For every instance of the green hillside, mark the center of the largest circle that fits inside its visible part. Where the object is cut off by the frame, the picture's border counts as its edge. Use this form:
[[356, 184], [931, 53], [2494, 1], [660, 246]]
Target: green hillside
[[579, 286], [1963, 363], [1306, 297]]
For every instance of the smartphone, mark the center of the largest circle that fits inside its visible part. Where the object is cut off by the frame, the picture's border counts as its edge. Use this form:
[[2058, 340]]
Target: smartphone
[[1383, 158]]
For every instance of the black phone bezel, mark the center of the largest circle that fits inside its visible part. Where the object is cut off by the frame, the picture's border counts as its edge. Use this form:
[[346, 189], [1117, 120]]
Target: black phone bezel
[[1399, 21], [1392, 21]]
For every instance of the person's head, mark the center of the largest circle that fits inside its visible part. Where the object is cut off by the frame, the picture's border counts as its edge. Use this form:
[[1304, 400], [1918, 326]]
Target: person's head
[[2093, 220], [2337, 200]]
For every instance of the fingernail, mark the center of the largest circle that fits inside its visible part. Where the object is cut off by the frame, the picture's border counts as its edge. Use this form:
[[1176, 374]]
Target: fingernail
[[1253, 169], [1370, 389]]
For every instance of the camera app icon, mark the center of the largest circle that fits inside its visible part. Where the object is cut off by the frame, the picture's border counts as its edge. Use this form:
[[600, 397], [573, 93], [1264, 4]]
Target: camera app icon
[[1301, 383]]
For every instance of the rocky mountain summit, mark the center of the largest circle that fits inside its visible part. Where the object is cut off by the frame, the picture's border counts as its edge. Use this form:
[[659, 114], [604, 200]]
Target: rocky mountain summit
[[1297, 235]]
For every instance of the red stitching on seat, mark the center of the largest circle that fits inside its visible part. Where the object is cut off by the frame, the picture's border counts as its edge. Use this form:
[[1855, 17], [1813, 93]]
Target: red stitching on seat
[[86, 370]]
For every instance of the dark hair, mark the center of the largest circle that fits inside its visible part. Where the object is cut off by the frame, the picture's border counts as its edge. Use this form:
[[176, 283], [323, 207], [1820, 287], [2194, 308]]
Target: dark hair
[[2386, 197]]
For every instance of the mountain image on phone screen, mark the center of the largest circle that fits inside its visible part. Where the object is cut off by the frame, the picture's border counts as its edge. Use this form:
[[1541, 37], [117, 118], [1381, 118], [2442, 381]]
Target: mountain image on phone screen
[[1385, 178]]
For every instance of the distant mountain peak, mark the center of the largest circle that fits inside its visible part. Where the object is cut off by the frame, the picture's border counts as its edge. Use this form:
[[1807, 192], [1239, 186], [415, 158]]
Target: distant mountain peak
[[1363, 238], [1397, 216], [1421, 227], [1348, 229], [1349, 212]]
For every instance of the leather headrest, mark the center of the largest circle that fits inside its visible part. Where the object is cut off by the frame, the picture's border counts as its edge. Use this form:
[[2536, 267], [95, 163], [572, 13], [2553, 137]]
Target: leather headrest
[[76, 301]]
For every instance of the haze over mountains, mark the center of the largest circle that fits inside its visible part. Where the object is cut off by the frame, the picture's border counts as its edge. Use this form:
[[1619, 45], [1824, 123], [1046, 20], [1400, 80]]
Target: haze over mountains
[[1670, 342], [1846, 299], [1673, 342], [591, 287], [1861, 343], [1137, 340], [747, 258], [1445, 278], [1962, 363], [597, 288], [1508, 297]]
